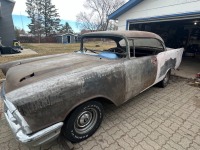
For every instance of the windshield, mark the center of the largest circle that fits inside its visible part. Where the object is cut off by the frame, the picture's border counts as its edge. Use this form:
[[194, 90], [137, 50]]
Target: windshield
[[98, 44], [104, 47]]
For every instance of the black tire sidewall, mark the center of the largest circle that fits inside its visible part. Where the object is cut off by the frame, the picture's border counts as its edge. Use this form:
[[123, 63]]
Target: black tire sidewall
[[69, 130], [164, 84]]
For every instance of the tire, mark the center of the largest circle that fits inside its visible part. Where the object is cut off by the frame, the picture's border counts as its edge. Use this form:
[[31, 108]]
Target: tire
[[83, 121], [165, 81]]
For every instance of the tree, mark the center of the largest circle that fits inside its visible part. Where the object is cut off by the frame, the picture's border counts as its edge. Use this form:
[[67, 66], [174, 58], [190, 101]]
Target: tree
[[66, 28], [44, 17], [19, 31], [97, 18], [51, 20], [87, 21], [33, 10]]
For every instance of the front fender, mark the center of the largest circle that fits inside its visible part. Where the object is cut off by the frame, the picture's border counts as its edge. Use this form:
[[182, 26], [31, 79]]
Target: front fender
[[49, 101]]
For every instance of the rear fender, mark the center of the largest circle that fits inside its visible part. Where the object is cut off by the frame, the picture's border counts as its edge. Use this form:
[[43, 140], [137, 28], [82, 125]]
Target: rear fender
[[169, 59]]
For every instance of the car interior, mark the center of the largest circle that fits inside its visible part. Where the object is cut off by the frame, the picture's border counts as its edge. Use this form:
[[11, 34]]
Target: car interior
[[115, 48], [143, 51]]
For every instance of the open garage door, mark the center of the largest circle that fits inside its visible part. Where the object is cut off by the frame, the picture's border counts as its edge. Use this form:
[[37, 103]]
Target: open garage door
[[180, 32]]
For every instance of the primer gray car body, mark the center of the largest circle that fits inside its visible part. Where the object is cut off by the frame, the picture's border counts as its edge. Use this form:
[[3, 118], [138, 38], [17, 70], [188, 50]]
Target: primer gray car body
[[39, 93]]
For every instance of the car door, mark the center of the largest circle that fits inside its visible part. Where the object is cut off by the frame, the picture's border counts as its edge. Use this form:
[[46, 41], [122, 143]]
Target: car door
[[141, 73]]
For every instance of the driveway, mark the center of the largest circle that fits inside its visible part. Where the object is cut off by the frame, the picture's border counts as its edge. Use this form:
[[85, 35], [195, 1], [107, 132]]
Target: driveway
[[156, 119]]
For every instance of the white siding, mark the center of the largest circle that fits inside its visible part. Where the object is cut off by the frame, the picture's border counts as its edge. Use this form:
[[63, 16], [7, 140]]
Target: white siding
[[152, 8]]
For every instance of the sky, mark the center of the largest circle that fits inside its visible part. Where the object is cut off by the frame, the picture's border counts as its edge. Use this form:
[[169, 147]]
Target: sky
[[67, 10]]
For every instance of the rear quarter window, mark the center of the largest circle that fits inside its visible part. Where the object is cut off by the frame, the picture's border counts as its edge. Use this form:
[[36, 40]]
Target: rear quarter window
[[145, 42], [140, 47]]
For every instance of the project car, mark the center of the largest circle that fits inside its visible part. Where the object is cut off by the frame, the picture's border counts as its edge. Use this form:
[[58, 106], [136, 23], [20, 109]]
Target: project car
[[46, 95]]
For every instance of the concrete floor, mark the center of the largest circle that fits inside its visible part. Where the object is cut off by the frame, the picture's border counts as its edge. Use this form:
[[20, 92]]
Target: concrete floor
[[188, 68]]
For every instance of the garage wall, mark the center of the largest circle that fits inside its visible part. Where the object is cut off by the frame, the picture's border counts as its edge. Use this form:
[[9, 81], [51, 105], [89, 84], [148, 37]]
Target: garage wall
[[152, 8]]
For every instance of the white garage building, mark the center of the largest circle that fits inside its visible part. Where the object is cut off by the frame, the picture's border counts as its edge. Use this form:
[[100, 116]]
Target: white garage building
[[176, 21], [146, 11]]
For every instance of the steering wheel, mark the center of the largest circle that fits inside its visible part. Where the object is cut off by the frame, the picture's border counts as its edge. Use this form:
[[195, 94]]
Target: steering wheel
[[86, 49], [119, 51]]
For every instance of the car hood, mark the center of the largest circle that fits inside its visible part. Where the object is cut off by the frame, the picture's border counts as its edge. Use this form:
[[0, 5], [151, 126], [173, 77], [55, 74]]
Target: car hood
[[26, 73]]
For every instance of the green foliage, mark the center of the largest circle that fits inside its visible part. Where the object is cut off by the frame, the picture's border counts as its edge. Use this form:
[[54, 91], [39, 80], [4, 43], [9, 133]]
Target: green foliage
[[50, 21], [44, 17], [66, 28], [32, 10]]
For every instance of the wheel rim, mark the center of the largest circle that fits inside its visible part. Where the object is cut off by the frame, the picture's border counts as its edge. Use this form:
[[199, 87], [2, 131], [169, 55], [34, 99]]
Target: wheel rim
[[85, 121]]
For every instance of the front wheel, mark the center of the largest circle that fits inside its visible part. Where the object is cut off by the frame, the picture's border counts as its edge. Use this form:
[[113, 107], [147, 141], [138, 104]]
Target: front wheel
[[165, 81], [83, 122]]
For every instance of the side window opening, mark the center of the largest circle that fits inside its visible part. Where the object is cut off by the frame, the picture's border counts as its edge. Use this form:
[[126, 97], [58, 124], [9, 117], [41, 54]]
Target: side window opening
[[140, 47], [106, 47]]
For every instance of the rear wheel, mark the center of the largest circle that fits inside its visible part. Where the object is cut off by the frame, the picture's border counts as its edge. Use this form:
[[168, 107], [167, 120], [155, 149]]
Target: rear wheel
[[165, 81], [83, 122]]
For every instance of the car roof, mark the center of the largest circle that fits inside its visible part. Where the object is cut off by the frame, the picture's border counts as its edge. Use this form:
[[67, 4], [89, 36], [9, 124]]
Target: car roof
[[127, 34]]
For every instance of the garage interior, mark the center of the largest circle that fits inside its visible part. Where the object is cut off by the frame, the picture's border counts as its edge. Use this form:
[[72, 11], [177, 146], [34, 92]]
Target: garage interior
[[178, 34]]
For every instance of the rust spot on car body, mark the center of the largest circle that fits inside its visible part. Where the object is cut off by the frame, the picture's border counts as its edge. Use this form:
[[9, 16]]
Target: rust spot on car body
[[169, 64]]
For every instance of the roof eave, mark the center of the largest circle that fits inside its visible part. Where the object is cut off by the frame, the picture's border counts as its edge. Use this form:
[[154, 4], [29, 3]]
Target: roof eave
[[127, 6], [125, 34]]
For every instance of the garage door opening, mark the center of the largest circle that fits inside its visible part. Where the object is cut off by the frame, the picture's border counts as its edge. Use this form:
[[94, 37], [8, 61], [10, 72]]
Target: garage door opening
[[177, 34]]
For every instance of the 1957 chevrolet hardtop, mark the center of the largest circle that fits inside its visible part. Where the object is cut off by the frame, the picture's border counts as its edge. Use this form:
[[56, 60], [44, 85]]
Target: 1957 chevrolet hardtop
[[44, 96]]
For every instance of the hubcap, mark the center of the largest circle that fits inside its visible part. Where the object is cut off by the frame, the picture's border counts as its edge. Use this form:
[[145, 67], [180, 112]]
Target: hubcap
[[85, 121]]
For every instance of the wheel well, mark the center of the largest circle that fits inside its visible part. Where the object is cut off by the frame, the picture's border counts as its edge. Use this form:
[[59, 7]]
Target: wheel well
[[102, 100], [170, 70]]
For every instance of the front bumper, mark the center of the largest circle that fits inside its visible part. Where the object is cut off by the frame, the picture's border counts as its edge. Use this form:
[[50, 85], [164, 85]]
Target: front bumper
[[19, 126]]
